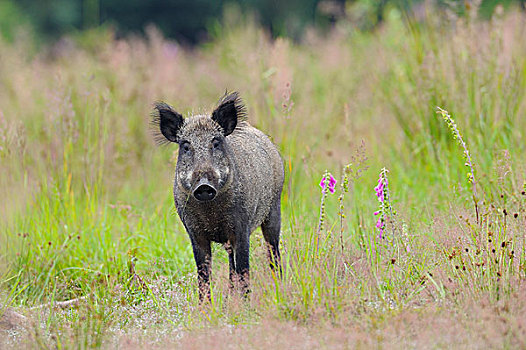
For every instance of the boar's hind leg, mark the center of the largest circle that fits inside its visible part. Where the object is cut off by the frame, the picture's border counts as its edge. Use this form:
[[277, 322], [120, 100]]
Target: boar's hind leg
[[271, 230], [203, 260]]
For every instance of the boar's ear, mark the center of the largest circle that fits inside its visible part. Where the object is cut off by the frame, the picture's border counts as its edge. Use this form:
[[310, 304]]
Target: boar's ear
[[167, 121], [229, 112]]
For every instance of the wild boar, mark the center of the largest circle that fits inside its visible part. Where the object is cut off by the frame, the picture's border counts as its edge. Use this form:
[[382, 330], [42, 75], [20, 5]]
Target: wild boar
[[228, 181]]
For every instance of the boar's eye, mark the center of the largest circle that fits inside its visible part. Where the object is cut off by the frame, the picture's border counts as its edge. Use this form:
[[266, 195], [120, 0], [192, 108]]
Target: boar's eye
[[216, 143], [185, 148]]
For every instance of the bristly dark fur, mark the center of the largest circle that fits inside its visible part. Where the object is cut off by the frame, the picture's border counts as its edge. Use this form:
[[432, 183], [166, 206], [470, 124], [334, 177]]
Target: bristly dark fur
[[155, 123], [241, 110], [228, 182]]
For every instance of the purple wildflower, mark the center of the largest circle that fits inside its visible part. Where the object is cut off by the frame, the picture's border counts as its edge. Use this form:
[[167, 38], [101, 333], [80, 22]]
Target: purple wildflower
[[380, 189], [381, 192], [331, 185]]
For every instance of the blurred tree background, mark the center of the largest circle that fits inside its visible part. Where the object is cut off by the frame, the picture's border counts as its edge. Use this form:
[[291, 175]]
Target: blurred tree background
[[189, 21]]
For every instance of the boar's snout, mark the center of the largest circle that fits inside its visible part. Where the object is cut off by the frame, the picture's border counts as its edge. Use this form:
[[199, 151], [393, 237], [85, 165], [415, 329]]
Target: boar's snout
[[204, 191]]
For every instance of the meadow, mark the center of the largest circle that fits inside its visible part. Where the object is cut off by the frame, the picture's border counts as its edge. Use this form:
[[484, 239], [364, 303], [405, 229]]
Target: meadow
[[87, 211]]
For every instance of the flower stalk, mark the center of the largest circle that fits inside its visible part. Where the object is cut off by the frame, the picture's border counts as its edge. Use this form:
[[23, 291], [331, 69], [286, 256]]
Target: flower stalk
[[452, 126], [385, 209], [327, 184]]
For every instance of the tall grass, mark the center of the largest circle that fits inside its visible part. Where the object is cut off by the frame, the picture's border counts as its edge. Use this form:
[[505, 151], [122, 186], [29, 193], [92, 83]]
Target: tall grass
[[87, 209]]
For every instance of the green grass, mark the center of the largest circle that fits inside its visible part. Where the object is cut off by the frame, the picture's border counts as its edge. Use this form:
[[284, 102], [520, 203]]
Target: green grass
[[87, 209]]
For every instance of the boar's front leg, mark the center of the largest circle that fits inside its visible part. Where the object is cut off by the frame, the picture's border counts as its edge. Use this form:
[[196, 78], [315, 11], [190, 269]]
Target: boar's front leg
[[203, 260], [242, 247], [231, 264]]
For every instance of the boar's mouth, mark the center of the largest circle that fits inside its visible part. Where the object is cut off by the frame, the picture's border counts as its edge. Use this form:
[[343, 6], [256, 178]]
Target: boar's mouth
[[204, 191]]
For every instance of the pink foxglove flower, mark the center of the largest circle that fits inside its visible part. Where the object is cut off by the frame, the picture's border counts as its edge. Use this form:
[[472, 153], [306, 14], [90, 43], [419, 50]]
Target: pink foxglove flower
[[331, 184]]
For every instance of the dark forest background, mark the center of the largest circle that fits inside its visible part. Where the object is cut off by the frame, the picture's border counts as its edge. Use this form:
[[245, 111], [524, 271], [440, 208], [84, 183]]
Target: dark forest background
[[192, 21]]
